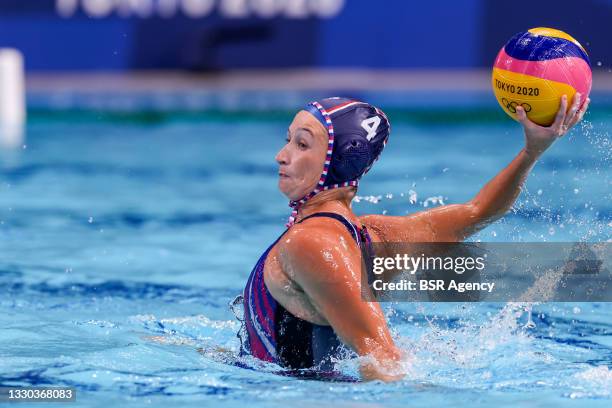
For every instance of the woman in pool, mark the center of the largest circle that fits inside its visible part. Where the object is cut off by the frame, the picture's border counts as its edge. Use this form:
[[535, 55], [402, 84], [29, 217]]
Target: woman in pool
[[303, 301]]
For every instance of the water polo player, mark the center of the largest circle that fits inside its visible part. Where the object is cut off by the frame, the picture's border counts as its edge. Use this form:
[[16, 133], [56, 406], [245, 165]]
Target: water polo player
[[303, 302]]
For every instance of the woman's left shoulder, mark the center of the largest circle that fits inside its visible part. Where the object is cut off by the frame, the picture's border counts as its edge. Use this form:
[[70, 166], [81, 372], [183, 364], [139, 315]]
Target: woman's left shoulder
[[375, 225]]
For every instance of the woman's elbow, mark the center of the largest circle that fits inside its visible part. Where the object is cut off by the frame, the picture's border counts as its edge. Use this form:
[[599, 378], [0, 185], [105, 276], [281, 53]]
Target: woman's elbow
[[481, 215]]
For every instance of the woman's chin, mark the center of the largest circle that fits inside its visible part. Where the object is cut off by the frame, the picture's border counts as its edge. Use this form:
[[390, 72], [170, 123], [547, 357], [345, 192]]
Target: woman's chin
[[288, 192], [284, 188], [291, 191]]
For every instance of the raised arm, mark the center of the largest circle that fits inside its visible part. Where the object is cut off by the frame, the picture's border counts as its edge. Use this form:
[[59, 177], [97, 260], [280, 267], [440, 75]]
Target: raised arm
[[456, 222], [329, 273]]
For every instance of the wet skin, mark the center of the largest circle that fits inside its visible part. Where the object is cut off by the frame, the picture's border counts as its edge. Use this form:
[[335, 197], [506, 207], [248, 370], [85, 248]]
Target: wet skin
[[314, 271]]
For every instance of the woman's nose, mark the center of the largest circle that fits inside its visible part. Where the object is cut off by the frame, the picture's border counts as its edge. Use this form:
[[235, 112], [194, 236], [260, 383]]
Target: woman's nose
[[282, 157]]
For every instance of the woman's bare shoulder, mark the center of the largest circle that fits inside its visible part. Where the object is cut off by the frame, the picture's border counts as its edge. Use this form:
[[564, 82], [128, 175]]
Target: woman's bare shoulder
[[315, 233]]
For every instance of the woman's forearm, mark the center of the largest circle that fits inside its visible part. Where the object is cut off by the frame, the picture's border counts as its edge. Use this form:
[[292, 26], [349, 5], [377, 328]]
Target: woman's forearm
[[498, 195]]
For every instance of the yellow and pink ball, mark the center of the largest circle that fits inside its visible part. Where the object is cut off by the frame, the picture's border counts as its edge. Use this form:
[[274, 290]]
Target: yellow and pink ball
[[535, 68]]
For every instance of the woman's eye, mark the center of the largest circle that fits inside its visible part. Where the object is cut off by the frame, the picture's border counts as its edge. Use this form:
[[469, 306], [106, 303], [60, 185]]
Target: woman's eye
[[302, 145]]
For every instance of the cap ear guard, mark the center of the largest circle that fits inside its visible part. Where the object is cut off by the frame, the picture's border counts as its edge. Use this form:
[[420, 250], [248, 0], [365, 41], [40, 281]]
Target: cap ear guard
[[351, 156]]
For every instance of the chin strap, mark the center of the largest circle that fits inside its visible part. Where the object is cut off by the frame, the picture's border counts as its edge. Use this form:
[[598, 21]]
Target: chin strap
[[296, 205]]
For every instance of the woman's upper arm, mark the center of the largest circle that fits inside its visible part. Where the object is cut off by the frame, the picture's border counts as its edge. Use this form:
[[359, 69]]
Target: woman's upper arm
[[448, 223], [329, 272]]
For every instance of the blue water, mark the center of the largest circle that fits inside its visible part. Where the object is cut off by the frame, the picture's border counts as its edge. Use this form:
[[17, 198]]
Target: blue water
[[122, 242]]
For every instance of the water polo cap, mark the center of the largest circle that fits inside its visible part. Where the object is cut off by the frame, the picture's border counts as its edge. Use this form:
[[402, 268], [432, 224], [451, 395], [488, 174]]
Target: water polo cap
[[357, 133]]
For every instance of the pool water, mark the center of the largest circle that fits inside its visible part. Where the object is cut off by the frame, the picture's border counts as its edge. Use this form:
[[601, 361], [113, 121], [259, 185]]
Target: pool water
[[122, 242]]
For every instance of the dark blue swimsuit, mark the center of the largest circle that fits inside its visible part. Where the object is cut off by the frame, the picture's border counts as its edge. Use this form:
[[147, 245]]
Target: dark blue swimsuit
[[275, 335]]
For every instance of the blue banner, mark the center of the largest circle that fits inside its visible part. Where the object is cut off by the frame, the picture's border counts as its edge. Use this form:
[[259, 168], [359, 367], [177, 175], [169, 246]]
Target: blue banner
[[212, 35]]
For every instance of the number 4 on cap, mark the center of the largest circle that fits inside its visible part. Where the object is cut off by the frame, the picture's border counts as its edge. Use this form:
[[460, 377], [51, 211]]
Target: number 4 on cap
[[370, 125]]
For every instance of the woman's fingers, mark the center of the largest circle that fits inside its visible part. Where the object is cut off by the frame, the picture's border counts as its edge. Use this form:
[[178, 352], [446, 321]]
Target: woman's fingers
[[573, 109], [584, 109], [564, 119], [558, 125], [580, 114], [522, 116]]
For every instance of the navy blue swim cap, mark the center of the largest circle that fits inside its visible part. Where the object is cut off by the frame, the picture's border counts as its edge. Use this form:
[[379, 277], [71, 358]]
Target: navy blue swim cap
[[357, 133]]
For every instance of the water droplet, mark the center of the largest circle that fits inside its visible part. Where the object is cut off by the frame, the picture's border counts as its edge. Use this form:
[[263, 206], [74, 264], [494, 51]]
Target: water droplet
[[540, 192], [576, 310], [599, 63], [530, 324], [412, 196], [90, 220], [576, 191]]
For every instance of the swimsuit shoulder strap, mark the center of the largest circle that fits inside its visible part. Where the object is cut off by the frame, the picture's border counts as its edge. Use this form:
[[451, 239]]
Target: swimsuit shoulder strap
[[349, 226]]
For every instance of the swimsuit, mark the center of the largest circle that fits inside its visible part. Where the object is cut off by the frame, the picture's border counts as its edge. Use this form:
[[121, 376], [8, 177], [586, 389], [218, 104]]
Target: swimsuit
[[272, 334]]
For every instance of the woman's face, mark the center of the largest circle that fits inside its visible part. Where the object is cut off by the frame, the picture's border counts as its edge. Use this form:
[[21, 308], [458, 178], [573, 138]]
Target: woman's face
[[301, 160]]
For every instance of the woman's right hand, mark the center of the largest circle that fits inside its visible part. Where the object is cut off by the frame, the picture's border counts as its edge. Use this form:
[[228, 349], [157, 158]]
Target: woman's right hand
[[539, 138], [387, 366]]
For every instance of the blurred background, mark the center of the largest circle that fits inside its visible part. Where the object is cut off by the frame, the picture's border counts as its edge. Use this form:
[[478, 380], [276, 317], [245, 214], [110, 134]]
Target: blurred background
[[144, 47], [138, 188], [217, 35]]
